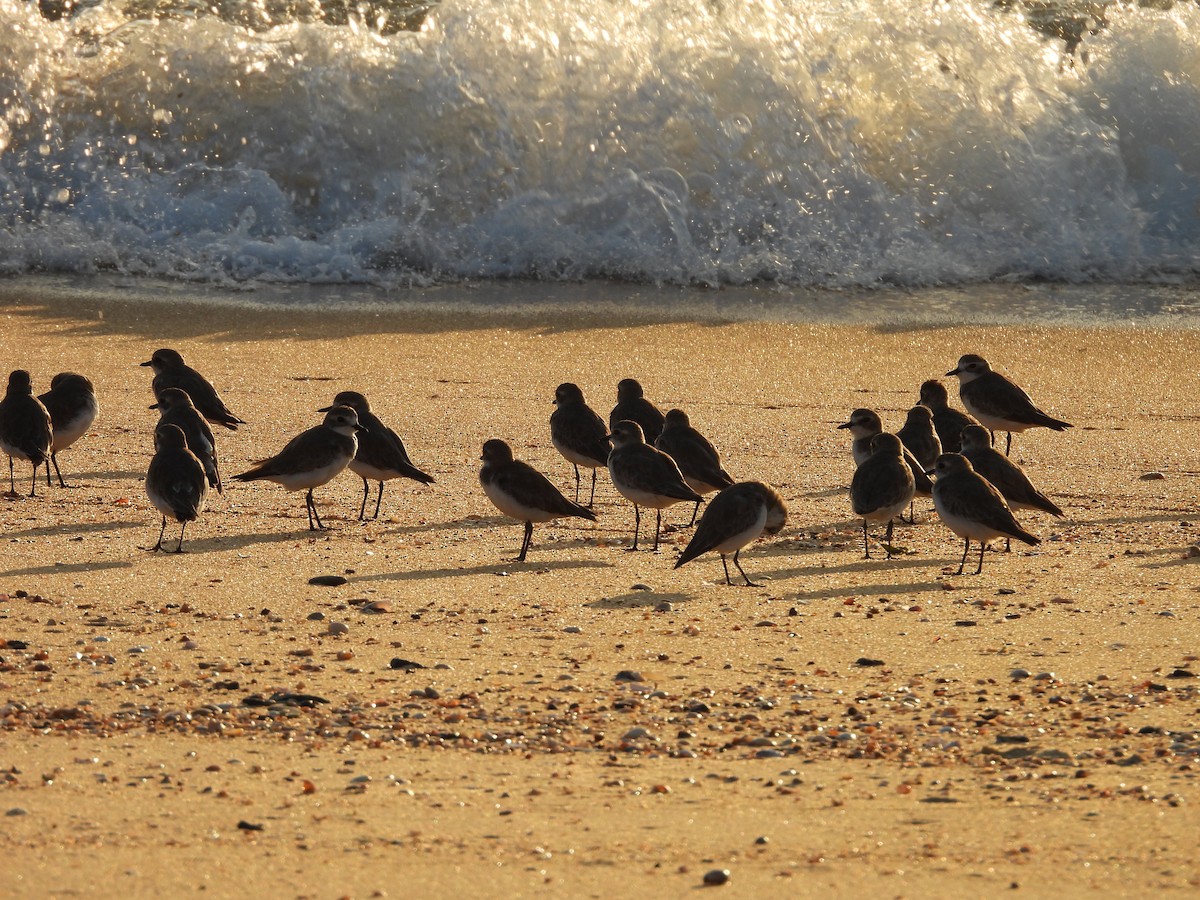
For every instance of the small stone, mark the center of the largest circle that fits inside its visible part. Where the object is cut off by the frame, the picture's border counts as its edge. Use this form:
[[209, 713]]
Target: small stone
[[338, 628], [641, 587], [377, 606], [327, 580], [866, 661], [1153, 476], [573, 629], [762, 839], [629, 675], [406, 664], [638, 734], [716, 877], [316, 616], [1019, 674], [17, 811], [663, 606], [249, 826]]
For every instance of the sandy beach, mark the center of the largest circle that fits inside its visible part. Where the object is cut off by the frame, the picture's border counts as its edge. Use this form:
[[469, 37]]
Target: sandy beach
[[593, 722]]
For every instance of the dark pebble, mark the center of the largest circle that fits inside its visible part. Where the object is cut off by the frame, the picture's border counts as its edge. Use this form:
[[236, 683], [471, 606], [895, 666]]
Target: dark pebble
[[629, 675], [867, 661], [716, 876], [966, 623], [327, 580], [249, 826], [1181, 673], [407, 664]]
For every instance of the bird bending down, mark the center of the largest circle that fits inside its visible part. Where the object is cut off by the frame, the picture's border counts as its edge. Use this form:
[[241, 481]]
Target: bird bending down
[[972, 508], [997, 402], [71, 402], [578, 433], [645, 476], [695, 455], [738, 515], [25, 428], [882, 487], [523, 493], [175, 481], [380, 456], [171, 371], [312, 458]]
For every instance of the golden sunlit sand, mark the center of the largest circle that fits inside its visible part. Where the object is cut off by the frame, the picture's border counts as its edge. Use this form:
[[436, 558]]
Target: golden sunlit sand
[[593, 722]]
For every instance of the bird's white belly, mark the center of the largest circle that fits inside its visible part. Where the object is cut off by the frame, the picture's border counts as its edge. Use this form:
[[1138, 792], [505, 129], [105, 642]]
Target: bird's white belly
[[299, 481], [887, 513], [737, 541], [965, 528], [512, 507], [573, 456], [72, 431]]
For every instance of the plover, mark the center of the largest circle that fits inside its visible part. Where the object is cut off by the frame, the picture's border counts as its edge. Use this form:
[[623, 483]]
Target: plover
[[1003, 474], [171, 371], [882, 486], [695, 455], [970, 507], [863, 425], [520, 491], [381, 455], [25, 428], [312, 458], [632, 405], [920, 438], [71, 402], [175, 481], [948, 421], [997, 402], [645, 476], [578, 433], [175, 407], [736, 516]]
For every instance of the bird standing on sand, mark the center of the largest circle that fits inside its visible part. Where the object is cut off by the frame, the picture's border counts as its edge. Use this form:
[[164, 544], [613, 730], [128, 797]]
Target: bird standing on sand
[[1003, 474], [997, 402], [632, 405], [25, 428], [175, 481], [71, 402], [175, 407], [171, 371], [645, 476], [919, 437], [738, 515], [882, 487], [578, 433], [312, 458], [381, 455], [863, 425], [695, 455], [520, 491], [948, 421], [970, 507]]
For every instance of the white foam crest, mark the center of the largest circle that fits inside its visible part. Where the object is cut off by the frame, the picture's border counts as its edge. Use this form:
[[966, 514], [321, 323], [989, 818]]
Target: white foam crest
[[838, 143]]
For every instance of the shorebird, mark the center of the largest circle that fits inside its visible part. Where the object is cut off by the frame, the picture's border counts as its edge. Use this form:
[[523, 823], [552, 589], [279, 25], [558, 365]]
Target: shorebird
[[920, 438], [736, 516], [171, 371], [175, 481], [645, 476], [312, 458], [695, 455], [381, 455], [578, 433], [632, 405], [863, 425], [521, 492], [970, 507], [997, 402], [948, 421], [175, 407], [1003, 474], [25, 428], [882, 487], [71, 402]]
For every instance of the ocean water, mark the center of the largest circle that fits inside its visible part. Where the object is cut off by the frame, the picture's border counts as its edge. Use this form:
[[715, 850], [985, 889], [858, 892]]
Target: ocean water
[[831, 144]]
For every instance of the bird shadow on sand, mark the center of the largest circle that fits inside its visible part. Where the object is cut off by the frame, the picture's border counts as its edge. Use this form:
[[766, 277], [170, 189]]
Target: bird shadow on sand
[[637, 600], [1177, 558], [228, 542], [873, 590], [862, 566], [53, 569], [79, 528], [502, 569]]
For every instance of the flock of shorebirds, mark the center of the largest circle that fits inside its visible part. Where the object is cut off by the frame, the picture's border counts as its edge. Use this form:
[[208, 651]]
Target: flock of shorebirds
[[654, 460]]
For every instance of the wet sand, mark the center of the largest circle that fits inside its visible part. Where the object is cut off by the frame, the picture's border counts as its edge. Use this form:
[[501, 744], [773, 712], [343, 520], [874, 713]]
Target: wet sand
[[854, 726]]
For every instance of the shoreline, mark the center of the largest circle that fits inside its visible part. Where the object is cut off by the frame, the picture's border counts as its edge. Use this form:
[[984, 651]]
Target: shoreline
[[519, 754]]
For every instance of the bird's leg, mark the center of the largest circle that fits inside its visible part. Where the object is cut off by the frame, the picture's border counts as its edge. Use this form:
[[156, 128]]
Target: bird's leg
[[980, 567], [378, 501], [866, 544], [311, 504], [891, 523], [48, 470], [637, 525], [576, 465], [179, 546], [695, 510], [12, 483], [526, 542], [657, 527], [725, 566], [161, 532], [592, 497], [33, 487], [749, 583], [362, 509], [1008, 444], [57, 471], [963, 561]]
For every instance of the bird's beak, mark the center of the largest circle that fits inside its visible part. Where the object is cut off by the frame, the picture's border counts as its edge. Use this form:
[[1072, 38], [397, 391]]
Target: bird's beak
[[953, 371], [148, 362], [153, 406], [325, 409], [846, 425]]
